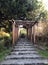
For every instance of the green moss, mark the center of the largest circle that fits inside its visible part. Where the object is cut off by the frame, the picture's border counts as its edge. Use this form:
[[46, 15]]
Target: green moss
[[4, 53], [43, 53]]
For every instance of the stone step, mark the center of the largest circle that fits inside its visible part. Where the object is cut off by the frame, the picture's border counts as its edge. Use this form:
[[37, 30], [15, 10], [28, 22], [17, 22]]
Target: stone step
[[23, 62], [33, 52], [24, 49], [23, 56], [24, 44], [26, 64], [23, 53]]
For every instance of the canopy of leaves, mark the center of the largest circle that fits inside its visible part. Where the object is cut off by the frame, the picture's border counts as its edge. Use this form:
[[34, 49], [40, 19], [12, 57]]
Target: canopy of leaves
[[21, 9]]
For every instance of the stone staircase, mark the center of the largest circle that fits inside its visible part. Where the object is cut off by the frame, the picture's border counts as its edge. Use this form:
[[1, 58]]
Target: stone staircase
[[24, 53]]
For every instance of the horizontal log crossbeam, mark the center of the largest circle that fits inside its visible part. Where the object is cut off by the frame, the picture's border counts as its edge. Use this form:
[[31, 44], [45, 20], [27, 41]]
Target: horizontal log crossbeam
[[29, 25]]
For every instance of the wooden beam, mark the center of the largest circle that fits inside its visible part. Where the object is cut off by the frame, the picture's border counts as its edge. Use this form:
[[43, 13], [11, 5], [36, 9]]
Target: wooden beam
[[13, 33]]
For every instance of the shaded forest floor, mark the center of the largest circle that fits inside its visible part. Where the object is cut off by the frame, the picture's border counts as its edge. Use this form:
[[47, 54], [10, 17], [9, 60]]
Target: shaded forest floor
[[4, 53], [43, 53]]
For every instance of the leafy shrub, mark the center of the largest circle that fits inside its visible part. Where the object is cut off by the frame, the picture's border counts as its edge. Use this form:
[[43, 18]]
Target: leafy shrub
[[1, 37], [2, 45], [5, 40]]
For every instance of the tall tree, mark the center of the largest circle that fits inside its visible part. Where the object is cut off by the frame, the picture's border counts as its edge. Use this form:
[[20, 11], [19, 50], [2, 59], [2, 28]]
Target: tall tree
[[21, 9]]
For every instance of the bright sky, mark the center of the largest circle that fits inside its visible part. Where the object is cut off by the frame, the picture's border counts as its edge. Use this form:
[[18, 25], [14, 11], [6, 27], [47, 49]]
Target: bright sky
[[45, 3]]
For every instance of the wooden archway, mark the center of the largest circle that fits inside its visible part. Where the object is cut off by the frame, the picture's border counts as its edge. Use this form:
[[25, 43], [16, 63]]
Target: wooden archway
[[29, 25]]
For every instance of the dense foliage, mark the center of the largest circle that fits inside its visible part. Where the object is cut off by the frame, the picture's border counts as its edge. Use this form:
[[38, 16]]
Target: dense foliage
[[19, 9]]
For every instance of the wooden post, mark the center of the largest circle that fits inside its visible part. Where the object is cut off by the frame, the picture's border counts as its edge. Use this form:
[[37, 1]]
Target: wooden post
[[16, 33], [31, 34], [13, 33], [34, 33], [27, 32]]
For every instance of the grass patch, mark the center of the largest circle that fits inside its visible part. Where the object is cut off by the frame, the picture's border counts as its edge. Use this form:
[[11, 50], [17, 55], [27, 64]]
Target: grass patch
[[4, 53], [43, 53]]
